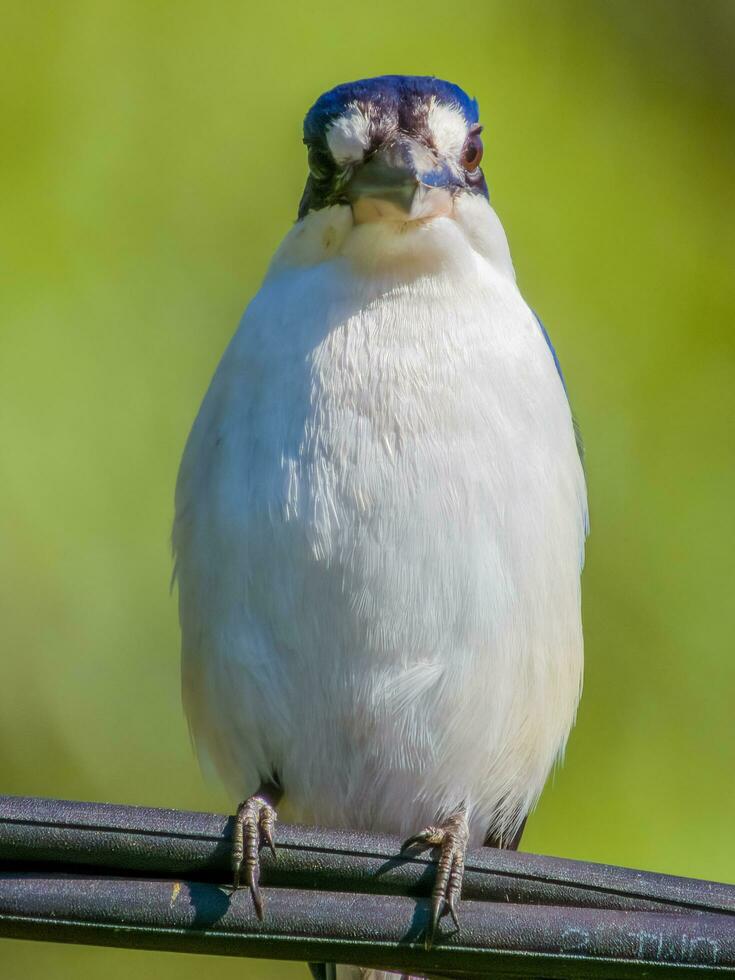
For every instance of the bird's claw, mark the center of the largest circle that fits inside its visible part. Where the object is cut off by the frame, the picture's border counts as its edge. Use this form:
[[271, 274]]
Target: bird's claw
[[254, 823], [451, 837]]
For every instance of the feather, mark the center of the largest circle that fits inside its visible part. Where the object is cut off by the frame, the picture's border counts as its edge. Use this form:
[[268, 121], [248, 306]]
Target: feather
[[379, 518]]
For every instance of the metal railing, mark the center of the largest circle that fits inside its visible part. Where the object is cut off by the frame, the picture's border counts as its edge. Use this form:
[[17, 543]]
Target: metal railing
[[157, 879]]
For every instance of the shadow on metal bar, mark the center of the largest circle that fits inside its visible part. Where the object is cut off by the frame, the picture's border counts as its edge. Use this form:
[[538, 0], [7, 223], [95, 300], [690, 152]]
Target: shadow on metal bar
[[153, 879]]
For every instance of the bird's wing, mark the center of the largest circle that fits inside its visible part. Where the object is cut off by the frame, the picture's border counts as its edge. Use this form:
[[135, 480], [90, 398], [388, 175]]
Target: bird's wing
[[190, 555], [222, 648], [547, 338], [577, 431]]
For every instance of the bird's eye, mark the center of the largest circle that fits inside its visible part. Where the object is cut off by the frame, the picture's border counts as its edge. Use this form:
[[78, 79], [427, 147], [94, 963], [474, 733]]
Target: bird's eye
[[472, 152], [320, 163]]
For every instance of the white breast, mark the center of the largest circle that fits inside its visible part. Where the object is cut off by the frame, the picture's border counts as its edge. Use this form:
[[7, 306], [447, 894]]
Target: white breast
[[380, 522]]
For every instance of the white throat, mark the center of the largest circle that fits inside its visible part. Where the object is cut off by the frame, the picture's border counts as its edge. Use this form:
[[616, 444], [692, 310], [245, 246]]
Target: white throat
[[403, 251]]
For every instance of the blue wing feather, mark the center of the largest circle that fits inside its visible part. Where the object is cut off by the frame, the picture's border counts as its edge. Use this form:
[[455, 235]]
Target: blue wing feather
[[547, 338], [577, 431]]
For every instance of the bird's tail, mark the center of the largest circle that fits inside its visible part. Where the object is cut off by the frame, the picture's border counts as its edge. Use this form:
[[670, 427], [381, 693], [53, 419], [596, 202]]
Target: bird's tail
[[334, 971], [357, 973]]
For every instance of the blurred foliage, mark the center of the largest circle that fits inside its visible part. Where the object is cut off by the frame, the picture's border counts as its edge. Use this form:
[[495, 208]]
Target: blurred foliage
[[151, 162]]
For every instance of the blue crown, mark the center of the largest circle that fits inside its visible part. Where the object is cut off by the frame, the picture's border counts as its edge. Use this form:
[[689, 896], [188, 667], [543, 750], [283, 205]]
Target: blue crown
[[393, 93]]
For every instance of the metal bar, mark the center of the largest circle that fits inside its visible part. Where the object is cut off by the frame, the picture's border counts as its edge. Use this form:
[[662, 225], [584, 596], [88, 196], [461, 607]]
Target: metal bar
[[156, 842], [381, 931]]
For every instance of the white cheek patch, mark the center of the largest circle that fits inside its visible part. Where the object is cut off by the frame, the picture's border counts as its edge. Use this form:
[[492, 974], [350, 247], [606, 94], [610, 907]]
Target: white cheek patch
[[349, 136], [448, 127], [423, 158]]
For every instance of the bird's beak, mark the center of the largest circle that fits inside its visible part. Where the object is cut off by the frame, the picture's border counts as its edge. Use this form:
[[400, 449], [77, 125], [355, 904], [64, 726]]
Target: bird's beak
[[401, 183]]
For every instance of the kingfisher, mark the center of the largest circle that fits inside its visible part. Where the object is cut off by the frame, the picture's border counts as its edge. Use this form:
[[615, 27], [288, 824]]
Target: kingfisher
[[381, 508]]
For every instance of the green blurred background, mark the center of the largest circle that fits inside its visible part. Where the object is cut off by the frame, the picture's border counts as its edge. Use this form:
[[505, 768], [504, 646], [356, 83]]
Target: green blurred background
[[151, 161]]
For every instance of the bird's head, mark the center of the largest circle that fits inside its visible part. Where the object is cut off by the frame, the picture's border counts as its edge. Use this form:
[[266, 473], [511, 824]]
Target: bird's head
[[398, 148]]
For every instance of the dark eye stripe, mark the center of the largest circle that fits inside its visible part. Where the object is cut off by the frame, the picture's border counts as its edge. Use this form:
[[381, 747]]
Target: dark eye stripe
[[321, 164]]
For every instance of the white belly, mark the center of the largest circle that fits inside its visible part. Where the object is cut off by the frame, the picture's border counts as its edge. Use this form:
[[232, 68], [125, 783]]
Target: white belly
[[379, 538]]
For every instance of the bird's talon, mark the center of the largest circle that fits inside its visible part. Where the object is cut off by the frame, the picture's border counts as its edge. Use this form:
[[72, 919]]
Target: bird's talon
[[257, 900], [452, 838], [266, 822], [254, 823], [453, 913], [412, 841], [268, 837], [436, 913], [431, 837]]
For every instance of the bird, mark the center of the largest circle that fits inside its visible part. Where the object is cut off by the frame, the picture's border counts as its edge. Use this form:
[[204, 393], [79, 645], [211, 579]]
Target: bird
[[381, 509]]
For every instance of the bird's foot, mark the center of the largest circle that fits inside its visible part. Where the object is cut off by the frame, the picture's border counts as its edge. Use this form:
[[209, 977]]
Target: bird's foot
[[254, 823], [451, 837]]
